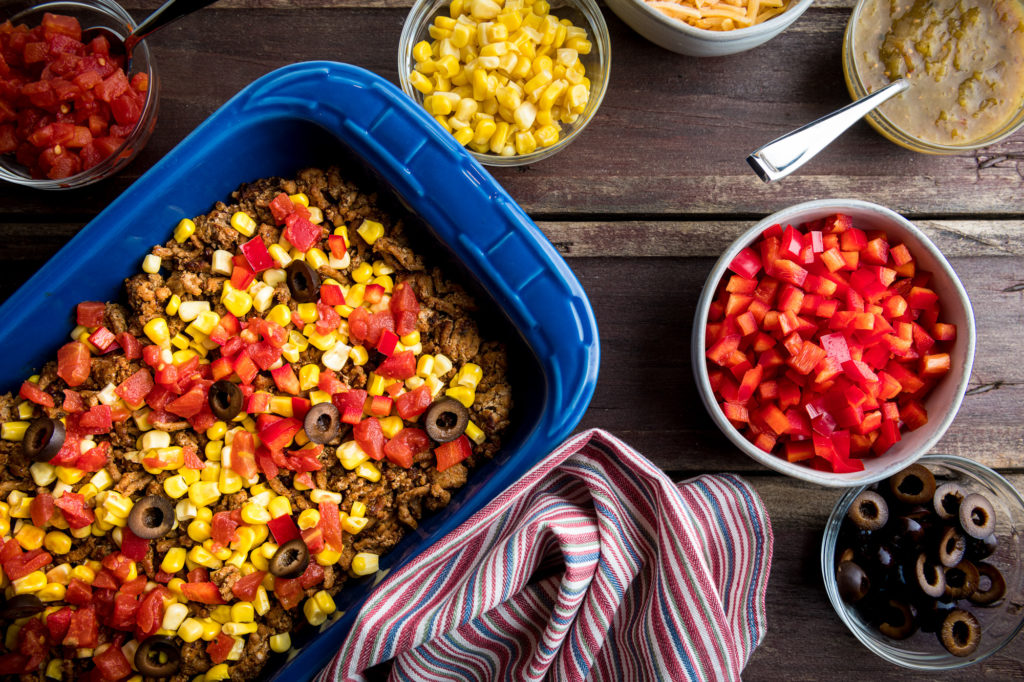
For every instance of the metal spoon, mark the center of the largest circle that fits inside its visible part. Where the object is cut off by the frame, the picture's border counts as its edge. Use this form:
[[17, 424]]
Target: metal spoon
[[169, 12], [780, 157]]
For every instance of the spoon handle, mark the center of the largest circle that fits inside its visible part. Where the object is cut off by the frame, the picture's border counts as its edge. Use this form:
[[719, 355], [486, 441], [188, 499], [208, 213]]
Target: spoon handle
[[170, 11], [782, 156]]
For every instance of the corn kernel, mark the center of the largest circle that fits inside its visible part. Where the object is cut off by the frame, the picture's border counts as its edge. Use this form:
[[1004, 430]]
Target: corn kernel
[[157, 332], [314, 614], [83, 573], [354, 525], [151, 264], [280, 255], [183, 230], [242, 222], [370, 231], [56, 542], [203, 493], [364, 563], [228, 483], [254, 514], [190, 630], [29, 584], [221, 613], [358, 356], [368, 471], [308, 518], [217, 673], [279, 506], [464, 395], [280, 642], [14, 431], [52, 592], [391, 426], [30, 537], [474, 433], [43, 473], [328, 557], [358, 509], [203, 557], [173, 562], [199, 530]]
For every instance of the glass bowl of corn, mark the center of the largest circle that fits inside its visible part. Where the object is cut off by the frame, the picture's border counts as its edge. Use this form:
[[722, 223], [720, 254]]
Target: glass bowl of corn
[[513, 81]]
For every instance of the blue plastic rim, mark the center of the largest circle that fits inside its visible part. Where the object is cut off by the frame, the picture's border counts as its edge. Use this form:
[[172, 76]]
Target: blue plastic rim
[[303, 115]]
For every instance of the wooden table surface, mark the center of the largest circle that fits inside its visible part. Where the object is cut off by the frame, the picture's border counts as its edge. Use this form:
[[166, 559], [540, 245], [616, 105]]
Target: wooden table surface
[[641, 206]]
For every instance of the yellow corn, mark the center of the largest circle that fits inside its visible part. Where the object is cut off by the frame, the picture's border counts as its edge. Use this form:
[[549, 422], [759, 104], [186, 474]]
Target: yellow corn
[[55, 542], [279, 254], [242, 222], [363, 273], [300, 199], [469, 375], [117, 504], [254, 514], [358, 356], [464, 395], [474, 433], [173, 561], [376, 383], [309, 518], [217, 673], [237, 302], [228, 483], [314, 614], [43, 473], [175, 616], [368, 471], [391, 426], [261, 604], [30, 537], [307, 312], [26, 410], [190, 630], [29, 584], [364, 563], [175, 486], [151, 264], [279, 506], [358, 509], [280, 314], [309, 375], [202, 556], [242, 612], [199, 530], [53, 669], [52, 592], [370, 231], [59, 574], [221, 614], [22, 508], [350, 454], [183, 230], [156, 331], [83, 573], [13, 430], [328, 557], [353, 525], [280, 642]]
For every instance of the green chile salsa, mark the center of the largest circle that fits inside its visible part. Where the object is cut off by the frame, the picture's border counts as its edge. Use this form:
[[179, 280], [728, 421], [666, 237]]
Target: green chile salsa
[[964, 60]]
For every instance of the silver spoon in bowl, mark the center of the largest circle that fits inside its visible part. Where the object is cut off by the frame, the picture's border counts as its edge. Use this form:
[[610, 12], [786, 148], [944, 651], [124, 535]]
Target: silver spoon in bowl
[[169, 12], [782, 156]]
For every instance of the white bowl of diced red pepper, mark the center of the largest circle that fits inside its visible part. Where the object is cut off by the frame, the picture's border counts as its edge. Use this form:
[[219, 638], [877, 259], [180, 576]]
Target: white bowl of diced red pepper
[[833, 342]]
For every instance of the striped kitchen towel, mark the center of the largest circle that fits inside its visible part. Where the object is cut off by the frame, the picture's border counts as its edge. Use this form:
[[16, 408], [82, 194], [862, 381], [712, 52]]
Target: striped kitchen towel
[[595, 565]]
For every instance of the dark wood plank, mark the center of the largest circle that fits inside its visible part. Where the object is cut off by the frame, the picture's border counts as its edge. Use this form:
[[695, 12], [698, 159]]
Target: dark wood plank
[[806, 640], [670, 139]]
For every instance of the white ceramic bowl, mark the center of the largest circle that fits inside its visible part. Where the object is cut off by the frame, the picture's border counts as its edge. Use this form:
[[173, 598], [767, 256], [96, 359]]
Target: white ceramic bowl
[[678, 36], [942, 402]]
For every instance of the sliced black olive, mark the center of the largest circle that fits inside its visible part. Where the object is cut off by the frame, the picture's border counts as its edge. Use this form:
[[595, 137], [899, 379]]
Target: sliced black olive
[[225, 400], [960, 633], [931, 578], [991, 585], [322, 423], [846, 555], [884, 558], [158, 656], [981, 548], [21, 606], [908, 532], [303, 281], [947, 500], [898, 620], [446, 419], [152, 517], [43, 438], [952, 547], [853, 583], [290, 560], [961, 580], [977, 517], [913, 485], [868, 511]]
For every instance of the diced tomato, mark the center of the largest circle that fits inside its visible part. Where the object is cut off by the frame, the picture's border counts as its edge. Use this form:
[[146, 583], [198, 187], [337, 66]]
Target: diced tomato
[[32, 643], [83, 630], [401, 365], [224, 528], [281, 207], [95, 421], [112, 664], [413, 403], [370, 437], [78, 593], [32, 392], [204, 593], [90, 313], [191, 403], [312, 576], [74, 510], [288, 592], [285, 379], [406, 444], [405, 308], [350, 405], [151, 611], [300, 233], [41, 509], [245, 587], [59, 621], [130, 345], [219, 648]]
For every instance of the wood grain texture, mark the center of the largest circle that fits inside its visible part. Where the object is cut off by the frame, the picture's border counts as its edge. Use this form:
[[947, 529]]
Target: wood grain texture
[[806, 640], [669, 140]]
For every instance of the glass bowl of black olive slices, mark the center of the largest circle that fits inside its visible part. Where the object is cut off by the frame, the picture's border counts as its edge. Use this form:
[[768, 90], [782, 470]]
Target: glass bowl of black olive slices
[[925, 567]]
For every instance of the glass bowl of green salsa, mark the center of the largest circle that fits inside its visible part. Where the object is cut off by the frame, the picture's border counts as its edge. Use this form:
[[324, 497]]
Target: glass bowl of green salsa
[[964, 60]]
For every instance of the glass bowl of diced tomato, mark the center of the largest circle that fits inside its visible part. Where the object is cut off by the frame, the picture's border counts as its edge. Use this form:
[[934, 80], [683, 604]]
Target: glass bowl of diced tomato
[[833, 342], [69, 113]]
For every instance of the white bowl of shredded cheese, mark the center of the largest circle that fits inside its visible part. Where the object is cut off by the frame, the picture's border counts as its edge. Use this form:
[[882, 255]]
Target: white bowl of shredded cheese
[[709, 28]]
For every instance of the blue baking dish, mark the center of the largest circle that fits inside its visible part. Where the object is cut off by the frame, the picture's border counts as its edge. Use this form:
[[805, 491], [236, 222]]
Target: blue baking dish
[[316, 113]]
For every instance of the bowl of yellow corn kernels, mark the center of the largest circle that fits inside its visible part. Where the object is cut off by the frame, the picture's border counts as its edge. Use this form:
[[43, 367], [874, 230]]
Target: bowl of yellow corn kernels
[[514, 81]]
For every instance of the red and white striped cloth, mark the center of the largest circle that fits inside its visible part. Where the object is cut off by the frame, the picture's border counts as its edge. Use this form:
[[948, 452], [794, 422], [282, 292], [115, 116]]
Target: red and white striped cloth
[[595, 565]]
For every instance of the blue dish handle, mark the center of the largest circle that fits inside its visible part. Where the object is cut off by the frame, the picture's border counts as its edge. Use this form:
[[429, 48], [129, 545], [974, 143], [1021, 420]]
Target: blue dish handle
[[386, 128]]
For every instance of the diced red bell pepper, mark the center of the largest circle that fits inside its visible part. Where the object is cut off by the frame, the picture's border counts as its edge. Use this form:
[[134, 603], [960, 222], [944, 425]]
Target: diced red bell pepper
[[103, 339], [245, 588], [285, 379], [331, 294], [278, 435], [256, 253], [245, 368], [451, 453], [746, 263], [283, 529], [219, 648], [300, 233], [288, 592]]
